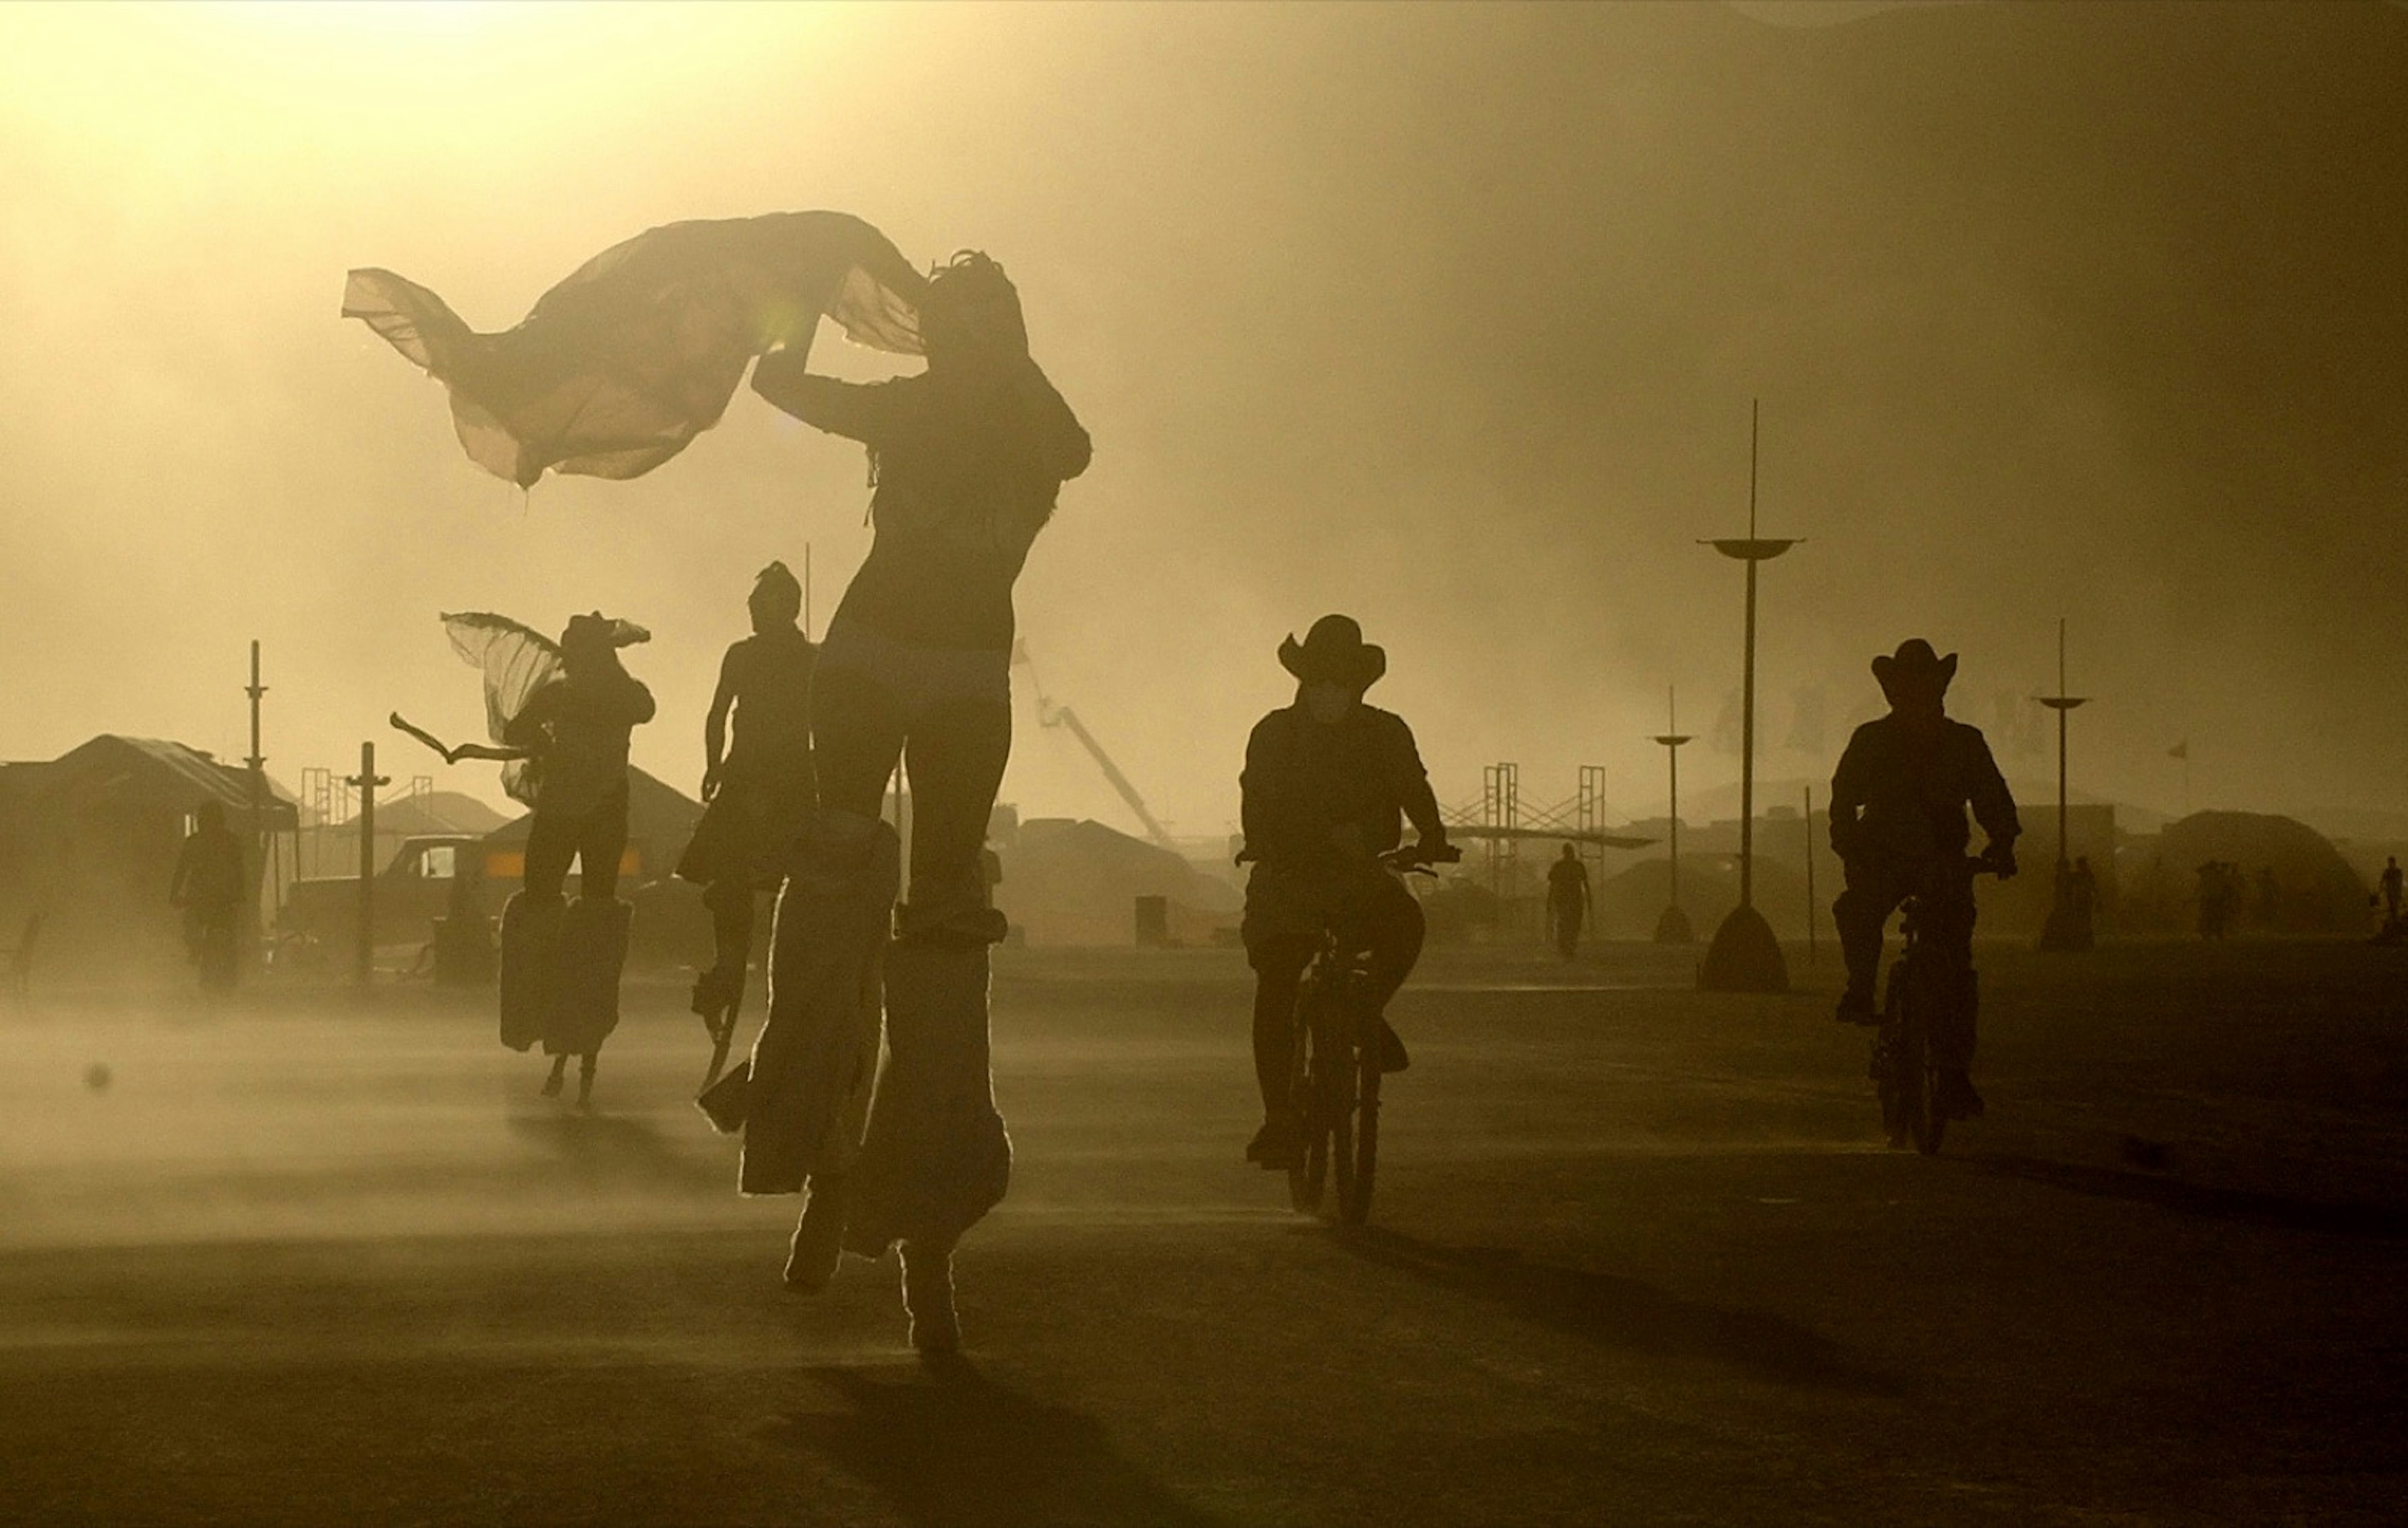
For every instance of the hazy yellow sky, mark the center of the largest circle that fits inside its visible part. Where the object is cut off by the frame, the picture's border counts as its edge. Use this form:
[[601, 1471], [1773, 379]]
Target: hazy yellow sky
[[1445, 316]]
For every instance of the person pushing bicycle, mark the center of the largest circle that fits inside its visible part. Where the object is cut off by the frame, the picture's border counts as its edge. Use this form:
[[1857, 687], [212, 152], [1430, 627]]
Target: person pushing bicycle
[[1327, 784], [1897, 824]]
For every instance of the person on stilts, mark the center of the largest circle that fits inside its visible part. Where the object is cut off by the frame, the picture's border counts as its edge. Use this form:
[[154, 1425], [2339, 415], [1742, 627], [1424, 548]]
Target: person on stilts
[[561, 957], [757, 793], [968, 458]]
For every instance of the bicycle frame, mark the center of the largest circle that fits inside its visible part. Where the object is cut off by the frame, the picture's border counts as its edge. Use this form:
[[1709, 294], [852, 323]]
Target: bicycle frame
[[1927, 988]]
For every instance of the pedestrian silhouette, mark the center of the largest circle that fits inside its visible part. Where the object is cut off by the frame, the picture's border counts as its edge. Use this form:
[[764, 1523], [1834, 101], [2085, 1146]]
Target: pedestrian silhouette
[[207, 885], [1568, 900]]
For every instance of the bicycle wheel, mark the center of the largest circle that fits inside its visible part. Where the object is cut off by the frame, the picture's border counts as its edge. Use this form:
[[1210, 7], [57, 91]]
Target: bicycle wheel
[[1889, 1081], [1917, 1075], [1338, 1102], [1354, 1206], [1306, 1178]]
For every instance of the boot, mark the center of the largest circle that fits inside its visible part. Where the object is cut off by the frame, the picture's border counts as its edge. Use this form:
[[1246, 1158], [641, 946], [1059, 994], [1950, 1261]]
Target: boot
[[530, 967], [928, 1297], [819, 1235], [585, 1080], [559, 1072], [592, 952]]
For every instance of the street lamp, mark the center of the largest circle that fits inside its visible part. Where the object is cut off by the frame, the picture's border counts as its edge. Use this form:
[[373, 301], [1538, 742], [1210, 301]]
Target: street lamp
[[1744, 956], [1673, 926], [2068, 910]]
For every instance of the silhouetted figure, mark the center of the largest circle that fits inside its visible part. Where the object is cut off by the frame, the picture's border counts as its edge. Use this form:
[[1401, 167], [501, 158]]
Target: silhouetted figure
[[2270, 898], [1568, 900], [968, 460], [757, 792], [561, 959], [1327, 784], [209, 886], [1897, 824]]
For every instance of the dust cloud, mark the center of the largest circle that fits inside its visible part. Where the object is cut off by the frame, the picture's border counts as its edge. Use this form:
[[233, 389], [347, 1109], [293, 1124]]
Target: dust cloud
[[1448, 318]]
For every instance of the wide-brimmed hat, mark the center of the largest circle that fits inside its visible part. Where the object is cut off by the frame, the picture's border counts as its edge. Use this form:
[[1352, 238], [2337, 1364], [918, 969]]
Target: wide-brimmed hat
[[1914, 667], [598, 630], [1334, 652]]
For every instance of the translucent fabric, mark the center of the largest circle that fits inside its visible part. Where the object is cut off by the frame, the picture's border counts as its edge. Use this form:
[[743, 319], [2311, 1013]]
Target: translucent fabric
[[516, 661], [636, 351]]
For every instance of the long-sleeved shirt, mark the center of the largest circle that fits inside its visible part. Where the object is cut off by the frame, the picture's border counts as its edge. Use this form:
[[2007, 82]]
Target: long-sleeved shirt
[[967, 465], [209, 869], [1900, 793], [1307, 783], [581, 727]]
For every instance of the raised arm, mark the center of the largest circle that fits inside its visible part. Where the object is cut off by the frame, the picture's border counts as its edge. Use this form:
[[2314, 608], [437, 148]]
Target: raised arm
[[865, 412]]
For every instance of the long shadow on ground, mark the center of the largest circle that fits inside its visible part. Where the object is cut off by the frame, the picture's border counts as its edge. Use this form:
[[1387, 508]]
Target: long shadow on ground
[[604, 1148], [2249, 1207], [950, 1447], [1623, 1313]]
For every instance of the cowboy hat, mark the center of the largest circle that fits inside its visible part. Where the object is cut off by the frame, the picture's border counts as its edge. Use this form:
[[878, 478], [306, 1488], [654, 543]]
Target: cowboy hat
[[1914, 665], [1334, 651], [600, 630]]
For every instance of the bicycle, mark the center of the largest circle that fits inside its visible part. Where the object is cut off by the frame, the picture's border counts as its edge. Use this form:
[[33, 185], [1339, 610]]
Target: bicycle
[[1927, 990], [1334, 1067]]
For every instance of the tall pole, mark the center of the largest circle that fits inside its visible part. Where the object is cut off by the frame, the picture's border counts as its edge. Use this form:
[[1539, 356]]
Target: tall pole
[[1811, 911], [806, 591], [2069, 919], [1673, 927], [366, 780], [261, 839], [1745, 956]]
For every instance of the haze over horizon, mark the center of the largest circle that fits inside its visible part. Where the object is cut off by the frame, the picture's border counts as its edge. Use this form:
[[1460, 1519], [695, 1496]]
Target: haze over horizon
[[1449, 318]]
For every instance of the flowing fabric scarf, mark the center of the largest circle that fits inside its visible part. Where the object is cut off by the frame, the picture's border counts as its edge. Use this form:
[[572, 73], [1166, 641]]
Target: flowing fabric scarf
[[637, 352]]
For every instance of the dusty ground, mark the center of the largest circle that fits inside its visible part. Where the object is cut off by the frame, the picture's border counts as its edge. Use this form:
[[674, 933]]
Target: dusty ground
[[1637, 1258]]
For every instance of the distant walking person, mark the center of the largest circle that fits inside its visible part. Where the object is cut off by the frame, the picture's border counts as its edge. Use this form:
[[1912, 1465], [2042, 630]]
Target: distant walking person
[[1568, 900], [1898, 823], [561, 959], [758, 791], [968, 460], [208, 887], [2391, 884]]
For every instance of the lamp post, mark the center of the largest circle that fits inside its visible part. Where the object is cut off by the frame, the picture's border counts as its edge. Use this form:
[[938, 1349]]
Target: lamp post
[[1673, 926], [2068, 928], [1744, 956]]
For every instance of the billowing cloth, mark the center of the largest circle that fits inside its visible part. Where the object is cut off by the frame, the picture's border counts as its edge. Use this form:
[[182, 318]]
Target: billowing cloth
[[516, 662], [616, 368]]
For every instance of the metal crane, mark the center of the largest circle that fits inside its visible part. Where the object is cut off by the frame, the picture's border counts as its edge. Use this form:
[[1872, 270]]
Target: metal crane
[[1050, 714]]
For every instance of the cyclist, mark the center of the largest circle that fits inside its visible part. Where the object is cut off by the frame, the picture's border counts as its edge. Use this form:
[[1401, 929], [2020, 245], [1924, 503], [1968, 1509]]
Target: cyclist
[[1326, 785], [1897, 824]]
